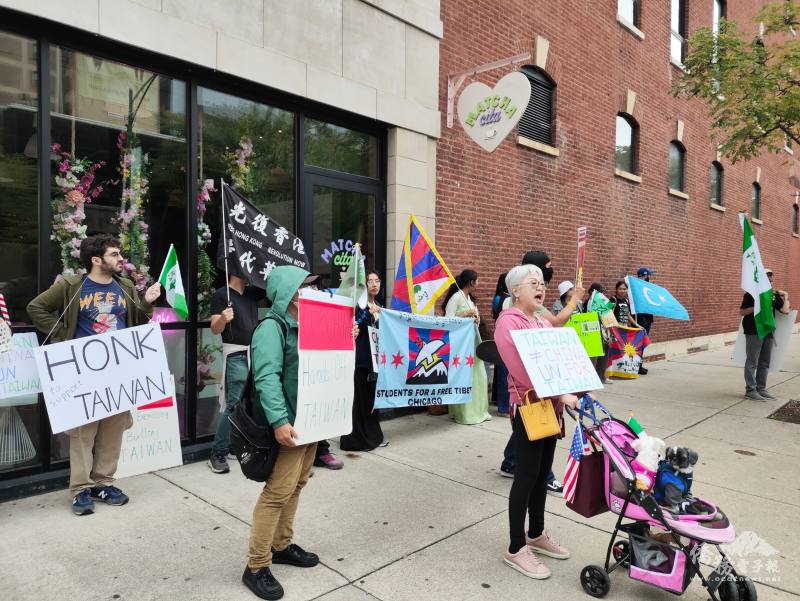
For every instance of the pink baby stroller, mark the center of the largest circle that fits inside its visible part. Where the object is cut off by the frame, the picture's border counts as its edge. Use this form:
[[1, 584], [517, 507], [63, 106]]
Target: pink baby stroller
[[672, 560]]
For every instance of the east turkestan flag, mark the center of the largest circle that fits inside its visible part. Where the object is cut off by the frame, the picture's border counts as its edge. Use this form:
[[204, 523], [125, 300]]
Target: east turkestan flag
[[755, 281], [172, 282]]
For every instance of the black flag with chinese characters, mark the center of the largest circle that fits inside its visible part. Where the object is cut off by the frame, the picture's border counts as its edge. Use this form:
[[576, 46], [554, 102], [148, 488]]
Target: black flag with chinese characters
[[255, 243]]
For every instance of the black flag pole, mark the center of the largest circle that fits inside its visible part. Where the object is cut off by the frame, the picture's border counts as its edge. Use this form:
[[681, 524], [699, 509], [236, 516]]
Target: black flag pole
[[224, 237]]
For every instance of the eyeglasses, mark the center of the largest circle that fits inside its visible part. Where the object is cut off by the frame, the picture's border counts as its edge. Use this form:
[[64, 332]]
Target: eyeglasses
[[534, 283], [113, 255]]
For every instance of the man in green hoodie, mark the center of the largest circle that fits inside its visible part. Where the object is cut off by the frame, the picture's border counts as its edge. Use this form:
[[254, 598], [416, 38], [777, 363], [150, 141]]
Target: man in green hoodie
[[274, 364]]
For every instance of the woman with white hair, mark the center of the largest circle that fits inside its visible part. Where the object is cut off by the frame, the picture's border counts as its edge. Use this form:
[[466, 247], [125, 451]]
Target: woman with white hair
[[533, 458]]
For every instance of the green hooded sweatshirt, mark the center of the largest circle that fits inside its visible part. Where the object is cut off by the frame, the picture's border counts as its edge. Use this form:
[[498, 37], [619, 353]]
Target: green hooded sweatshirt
[[274, 362]]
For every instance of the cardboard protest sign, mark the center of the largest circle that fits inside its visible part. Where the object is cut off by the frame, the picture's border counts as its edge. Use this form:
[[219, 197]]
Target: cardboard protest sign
[[253, 244], [587, 326], [154, 441], [782, 334], [90, 378], [424, 360], [327, 361], [556, 361], [373, 347], [18, 373]]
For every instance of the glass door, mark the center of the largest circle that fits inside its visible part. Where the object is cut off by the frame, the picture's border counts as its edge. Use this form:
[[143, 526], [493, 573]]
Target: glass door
[[338, 214]]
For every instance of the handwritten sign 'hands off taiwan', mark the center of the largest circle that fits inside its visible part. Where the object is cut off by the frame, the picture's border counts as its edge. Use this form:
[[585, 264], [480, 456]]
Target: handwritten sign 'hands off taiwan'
[[327, 361], [556, 361], [91, 378]]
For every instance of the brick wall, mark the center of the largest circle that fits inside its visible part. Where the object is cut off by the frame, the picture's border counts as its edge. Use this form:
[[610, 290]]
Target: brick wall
[[491, 207]]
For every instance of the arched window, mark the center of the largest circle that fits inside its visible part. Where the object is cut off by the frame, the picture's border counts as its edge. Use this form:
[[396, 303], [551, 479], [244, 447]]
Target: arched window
[[537, 120], [755, 205], [716, 183], [626, 144], [677, 166], [796, 219]]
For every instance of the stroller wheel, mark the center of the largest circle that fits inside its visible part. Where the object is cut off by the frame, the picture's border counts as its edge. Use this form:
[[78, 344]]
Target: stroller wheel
[[729, 590], [747, 589], [595, 581], [622, 553]]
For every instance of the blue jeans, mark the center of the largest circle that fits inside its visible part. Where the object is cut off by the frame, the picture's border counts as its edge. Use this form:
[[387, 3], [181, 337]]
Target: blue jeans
[[500, 388], [236, 369], [508, 460]]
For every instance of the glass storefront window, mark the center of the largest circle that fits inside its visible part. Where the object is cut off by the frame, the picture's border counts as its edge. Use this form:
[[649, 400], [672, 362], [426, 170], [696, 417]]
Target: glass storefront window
[[334, 147], [18, 173], [209, 376], [142, 181], [341, 218], [227, 126]]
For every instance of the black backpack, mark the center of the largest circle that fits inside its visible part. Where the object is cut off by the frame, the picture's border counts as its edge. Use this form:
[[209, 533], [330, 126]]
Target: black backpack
[[253, 444]]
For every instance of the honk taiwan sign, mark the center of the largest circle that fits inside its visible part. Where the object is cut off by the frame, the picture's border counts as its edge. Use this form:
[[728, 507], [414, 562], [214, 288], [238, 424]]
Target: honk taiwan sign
[[90, 378], [489, 114]]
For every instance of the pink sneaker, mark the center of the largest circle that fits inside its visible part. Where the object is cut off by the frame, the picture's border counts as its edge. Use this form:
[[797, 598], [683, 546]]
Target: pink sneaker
[[547, 545], [525, 562], [329, 461]]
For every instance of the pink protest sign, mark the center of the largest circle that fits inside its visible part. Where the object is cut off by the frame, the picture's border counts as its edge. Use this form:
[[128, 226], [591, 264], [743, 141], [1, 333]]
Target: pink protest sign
[[325, 322]]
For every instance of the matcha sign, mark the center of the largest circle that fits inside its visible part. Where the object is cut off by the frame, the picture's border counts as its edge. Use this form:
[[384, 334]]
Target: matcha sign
[[489, 114]]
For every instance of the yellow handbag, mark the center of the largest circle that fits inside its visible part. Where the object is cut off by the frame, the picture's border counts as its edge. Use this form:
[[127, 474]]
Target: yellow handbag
[[539, 417]]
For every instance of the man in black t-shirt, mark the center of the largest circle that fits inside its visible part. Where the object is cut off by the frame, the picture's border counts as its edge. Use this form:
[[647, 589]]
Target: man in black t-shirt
[[235, 320], [759, 352]]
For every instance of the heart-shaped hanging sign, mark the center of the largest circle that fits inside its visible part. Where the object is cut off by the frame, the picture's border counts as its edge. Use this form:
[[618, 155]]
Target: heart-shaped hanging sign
[[489, 114]]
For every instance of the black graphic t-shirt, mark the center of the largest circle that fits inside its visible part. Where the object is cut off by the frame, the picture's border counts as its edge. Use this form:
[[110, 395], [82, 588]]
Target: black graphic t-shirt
[[245, 313], [622, 311], [103, 308]]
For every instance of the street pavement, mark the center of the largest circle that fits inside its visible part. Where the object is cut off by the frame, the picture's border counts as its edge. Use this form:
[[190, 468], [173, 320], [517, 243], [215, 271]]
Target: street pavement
[[423, 519]]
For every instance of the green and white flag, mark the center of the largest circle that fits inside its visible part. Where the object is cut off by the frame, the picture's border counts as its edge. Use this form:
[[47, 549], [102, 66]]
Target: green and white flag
[[354, 280], [755, 281], [600, 303], [172, 282]]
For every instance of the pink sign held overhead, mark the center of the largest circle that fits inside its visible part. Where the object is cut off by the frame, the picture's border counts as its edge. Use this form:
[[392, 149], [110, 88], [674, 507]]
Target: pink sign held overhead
[[325, 322]]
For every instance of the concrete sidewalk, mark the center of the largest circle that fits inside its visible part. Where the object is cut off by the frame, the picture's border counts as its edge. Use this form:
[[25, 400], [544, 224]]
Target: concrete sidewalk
[[424, 518]]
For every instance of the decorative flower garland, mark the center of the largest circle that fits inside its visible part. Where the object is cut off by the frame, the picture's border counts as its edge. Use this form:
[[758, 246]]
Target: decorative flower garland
[[72, 189], [205, 268], [240, 168], [133, 229]]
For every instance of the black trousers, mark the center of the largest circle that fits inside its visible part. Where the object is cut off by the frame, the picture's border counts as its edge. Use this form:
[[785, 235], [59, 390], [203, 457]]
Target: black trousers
[[529, 490]]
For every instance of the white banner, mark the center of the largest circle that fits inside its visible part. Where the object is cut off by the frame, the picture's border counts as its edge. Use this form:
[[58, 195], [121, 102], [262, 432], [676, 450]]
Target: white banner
[[154, 441], [373, 346], [783, 331], [327, 361], [18, 373], [556, 361], [90, 378]]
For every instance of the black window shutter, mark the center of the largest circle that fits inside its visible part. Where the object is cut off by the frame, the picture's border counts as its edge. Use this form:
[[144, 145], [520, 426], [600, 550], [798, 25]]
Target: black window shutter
[[537, 120]]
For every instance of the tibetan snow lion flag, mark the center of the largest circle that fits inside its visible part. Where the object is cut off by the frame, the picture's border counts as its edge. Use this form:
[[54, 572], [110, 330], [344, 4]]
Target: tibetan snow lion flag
[[424, 360], [626, 352], [422, 277]]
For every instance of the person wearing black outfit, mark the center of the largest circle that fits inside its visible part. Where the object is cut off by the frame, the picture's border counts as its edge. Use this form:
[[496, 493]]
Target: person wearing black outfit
[[759, 352], [367, 433], [600, 363], [235, 320], [622, 308], [645, 320]]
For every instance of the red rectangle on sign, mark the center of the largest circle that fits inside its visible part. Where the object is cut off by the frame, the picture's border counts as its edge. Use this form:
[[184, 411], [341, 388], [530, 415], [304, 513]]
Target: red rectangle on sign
[[324, 326]]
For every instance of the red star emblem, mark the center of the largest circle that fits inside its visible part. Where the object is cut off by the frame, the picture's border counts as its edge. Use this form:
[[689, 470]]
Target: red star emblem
[[456, 361], [470, 360], [383, 358], [397, 359]]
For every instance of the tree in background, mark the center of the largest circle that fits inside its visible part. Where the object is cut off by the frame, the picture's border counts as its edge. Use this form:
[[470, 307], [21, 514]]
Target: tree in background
[[752, 86]]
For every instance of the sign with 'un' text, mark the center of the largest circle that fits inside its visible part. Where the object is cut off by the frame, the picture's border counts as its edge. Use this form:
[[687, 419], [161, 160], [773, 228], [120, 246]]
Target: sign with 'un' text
[[87, 379]]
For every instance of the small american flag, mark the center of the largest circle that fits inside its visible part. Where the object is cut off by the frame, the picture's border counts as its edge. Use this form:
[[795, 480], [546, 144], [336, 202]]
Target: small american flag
[[4, 309], [576, 451]]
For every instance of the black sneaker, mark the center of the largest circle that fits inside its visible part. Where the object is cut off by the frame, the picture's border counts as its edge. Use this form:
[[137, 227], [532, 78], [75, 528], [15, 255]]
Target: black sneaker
[[262, 583], [218, 464], [505, 472], [82, 503], [555, 488], [642, 370], [295, 556], [110, 495]]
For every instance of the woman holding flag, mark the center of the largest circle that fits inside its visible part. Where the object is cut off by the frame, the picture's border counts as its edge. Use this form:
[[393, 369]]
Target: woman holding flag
[[458, 302], [534, 459]]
